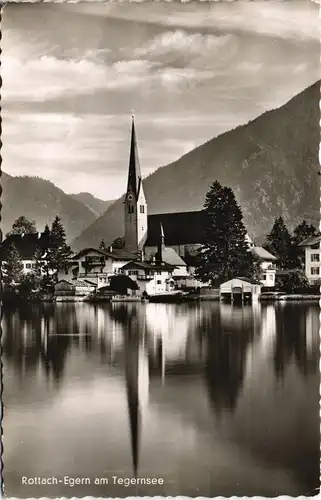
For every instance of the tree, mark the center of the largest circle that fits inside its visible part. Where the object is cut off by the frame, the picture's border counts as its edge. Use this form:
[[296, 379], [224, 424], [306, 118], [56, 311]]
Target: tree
[[303, 231], [118, 243], [57, 234], [23, 225], [279, 243], [58, 251], [102, 245], [292, 281], [12, 268], [225, 253], [28, 285]]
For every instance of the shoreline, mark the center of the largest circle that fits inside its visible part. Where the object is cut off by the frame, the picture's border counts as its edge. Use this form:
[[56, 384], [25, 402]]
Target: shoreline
[[160, 299]]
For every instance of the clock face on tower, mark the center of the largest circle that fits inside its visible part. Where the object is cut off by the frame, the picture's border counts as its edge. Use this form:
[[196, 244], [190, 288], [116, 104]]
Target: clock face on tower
[[130, 197]]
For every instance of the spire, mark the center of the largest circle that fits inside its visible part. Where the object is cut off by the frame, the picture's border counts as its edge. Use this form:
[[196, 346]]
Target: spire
[[134, 172], [162, 233], [161, 246]]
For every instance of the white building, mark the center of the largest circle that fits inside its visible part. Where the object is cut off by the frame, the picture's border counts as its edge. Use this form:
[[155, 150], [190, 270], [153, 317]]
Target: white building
[[95, 265], [28, 245], [152, 279], [312, 258], [267, 262]]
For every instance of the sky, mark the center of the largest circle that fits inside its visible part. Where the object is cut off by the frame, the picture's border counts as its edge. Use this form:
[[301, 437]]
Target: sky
[[74, 73]]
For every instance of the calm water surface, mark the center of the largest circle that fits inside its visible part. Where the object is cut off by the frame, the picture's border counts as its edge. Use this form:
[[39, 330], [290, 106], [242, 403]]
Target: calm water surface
[[215, 399]]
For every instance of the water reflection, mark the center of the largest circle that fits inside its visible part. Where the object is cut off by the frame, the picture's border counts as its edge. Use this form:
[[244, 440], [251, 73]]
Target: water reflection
[[232, 350]]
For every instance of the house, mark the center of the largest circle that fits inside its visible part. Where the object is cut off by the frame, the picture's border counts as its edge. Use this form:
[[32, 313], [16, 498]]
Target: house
[[168, 255], [27, 246], [66, 289], [152, 278], [267, 261], [312, 259], [240, 289], [95, 264]]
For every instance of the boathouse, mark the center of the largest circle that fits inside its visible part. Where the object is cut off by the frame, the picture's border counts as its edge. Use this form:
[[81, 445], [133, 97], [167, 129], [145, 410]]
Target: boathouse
[[240, 290]]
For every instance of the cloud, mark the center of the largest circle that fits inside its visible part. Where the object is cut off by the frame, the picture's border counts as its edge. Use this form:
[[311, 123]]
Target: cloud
[[294, 19], [180, 43], [48, 77]]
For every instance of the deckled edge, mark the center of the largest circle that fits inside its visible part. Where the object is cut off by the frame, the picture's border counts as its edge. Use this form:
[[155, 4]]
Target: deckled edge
[[1, 365], [284, 497], [281, 497]]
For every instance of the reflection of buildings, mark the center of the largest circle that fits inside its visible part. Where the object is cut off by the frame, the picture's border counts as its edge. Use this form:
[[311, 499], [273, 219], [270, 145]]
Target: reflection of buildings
[[231, 332]]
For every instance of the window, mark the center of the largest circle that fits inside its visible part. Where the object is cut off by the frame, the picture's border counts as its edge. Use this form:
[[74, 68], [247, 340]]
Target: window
[[28, 266], [315, 257], [133, 273], [33, 266], [95, 258], [142, 209], [264, 277], [66, 271], [315, 270], [130, 209], [159, 282], [159, 273]]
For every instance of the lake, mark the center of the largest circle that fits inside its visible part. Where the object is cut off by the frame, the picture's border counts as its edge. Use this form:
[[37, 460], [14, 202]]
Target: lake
[[208, 399]]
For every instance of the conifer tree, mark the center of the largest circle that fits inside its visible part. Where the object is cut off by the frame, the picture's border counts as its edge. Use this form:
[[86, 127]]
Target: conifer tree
[[58, 251], [225, 253], [279, 243], [12, 268]]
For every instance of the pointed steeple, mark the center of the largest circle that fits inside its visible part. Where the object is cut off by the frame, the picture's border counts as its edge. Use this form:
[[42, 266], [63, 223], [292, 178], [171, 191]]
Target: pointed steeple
[[134, 172], [161, 246]]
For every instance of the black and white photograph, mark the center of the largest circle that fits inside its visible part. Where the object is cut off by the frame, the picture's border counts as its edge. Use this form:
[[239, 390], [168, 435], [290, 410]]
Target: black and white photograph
[[161, 249]]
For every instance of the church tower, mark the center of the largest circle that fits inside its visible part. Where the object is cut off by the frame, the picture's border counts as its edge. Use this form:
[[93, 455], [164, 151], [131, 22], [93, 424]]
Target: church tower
[[135, 202]]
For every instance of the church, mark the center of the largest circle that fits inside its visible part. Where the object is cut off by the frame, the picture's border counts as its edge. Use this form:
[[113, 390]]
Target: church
[[172, 238]]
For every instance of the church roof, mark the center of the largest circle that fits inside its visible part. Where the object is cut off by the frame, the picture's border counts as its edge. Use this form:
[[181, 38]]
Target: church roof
[[180, 228], [134, 172], [170, 256]]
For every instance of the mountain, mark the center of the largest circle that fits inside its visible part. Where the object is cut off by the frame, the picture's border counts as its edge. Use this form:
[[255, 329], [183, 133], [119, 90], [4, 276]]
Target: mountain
[[97, 206], [40, 200], [271, 163]]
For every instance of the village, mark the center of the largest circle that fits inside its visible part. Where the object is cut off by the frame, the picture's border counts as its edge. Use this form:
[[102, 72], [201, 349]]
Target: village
[[157, 260]]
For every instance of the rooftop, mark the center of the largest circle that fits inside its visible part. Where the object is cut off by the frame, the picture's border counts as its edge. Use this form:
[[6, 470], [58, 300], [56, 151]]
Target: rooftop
[[312, 240], [148, 266], [180, 228], [26, 244], [170, 256], [262, 254]]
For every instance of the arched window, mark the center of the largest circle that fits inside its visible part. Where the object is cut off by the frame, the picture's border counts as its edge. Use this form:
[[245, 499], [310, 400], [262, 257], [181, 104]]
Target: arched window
[[130, 209], [142, 209]]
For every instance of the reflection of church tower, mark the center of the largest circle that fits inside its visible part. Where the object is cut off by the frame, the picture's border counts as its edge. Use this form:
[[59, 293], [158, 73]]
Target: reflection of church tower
[[135, 202], [137, 383]]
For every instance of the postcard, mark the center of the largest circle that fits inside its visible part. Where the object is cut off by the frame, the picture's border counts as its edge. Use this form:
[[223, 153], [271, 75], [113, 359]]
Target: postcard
[[160, 252]]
